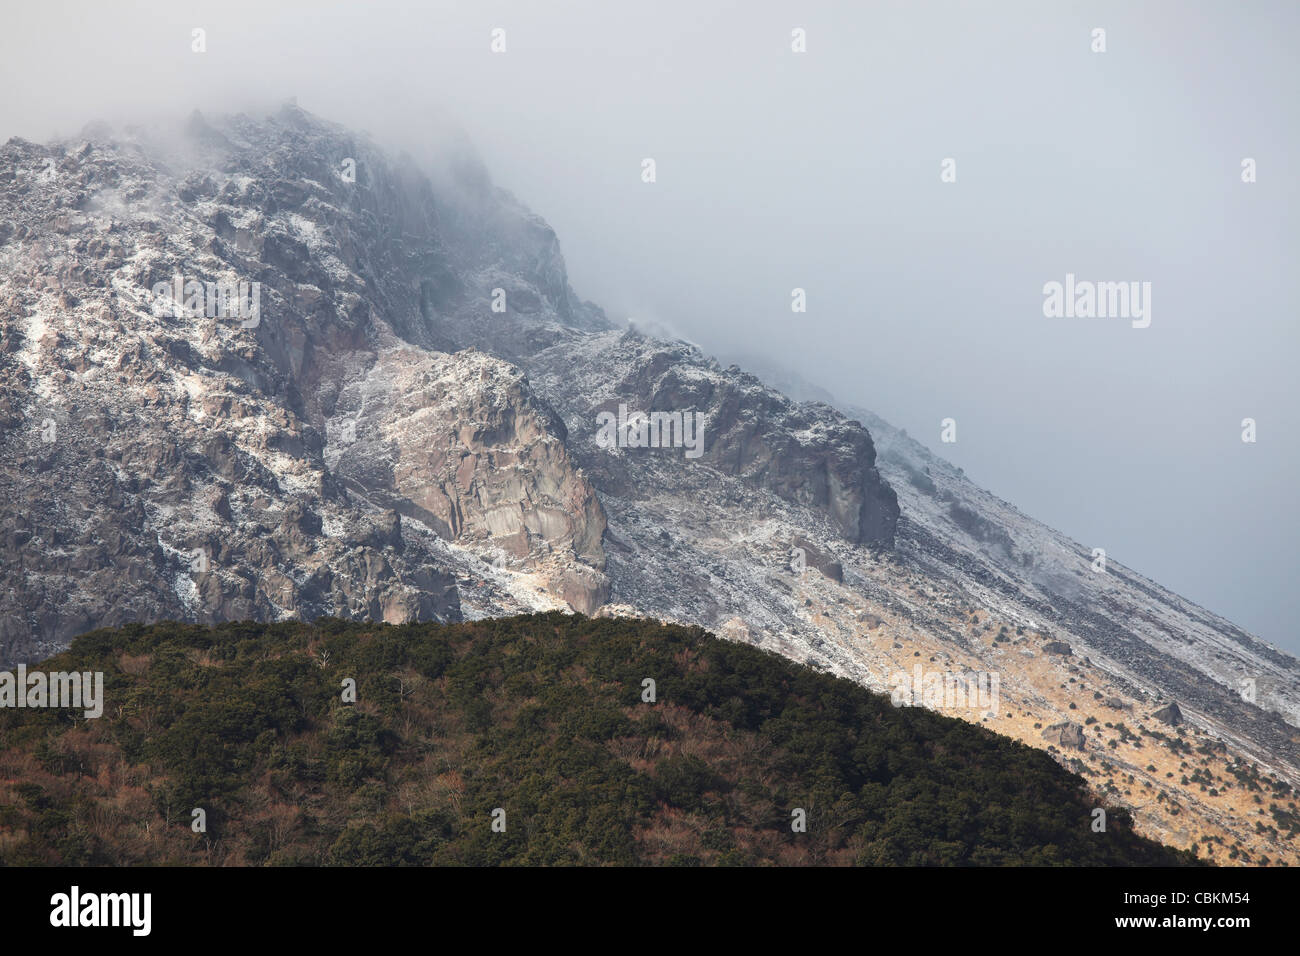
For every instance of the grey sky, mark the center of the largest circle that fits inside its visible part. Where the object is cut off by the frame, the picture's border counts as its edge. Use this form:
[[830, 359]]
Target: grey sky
[[821, 170]]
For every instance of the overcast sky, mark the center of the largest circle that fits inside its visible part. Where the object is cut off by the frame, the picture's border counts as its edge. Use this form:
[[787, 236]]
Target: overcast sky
[[821, 170]]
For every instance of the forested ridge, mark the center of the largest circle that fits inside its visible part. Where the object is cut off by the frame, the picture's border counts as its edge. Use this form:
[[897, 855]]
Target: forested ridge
[[535, 723]]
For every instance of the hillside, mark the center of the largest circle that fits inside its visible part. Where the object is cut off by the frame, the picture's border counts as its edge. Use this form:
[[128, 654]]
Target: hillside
[[542, 716]]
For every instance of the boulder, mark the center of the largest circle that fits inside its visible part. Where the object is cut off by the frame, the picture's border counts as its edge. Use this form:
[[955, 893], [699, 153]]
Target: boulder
[[1067, 735], [1170, 715]]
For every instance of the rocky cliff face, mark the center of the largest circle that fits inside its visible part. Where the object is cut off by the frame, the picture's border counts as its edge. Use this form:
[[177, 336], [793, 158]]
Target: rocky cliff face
[[461, 444], [163, 461], [808, 455], [409, 427]]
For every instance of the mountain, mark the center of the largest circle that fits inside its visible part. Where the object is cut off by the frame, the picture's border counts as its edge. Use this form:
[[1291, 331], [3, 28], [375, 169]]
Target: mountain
[[530, 740], [421, 421]]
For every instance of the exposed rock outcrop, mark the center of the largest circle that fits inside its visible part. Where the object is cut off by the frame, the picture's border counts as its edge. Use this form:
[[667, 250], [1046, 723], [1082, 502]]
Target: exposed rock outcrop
[[815, 557], [460, 443], [1068, 735], [1170, 715], [166, 459], [808, 455]]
